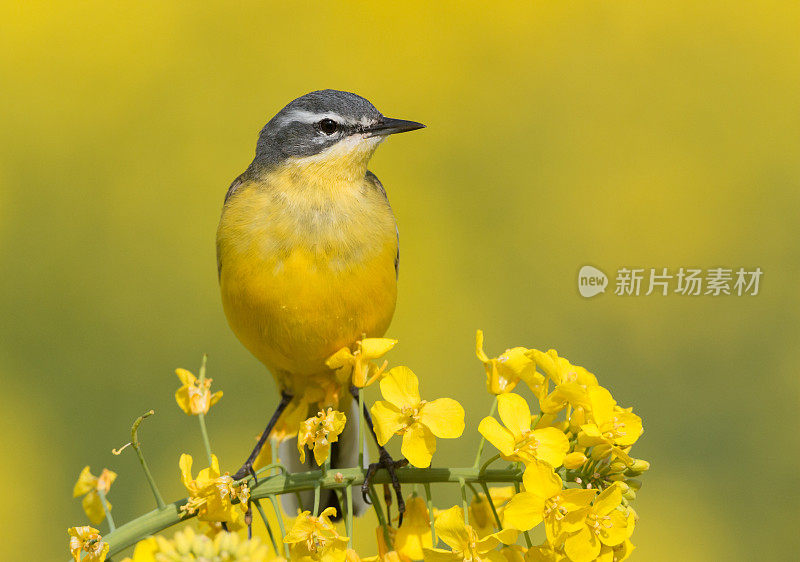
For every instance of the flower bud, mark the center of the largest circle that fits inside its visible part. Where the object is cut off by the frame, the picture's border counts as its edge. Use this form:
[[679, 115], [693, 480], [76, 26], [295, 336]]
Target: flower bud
[[575, 460], [629, 495], [601, 451], [638, 467], [634, 483], [615, 477], [617, 466]]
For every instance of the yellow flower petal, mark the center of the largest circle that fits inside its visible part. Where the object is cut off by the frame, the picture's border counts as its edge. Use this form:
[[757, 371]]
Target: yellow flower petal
[[375, 348], [450, 528], [489, 542], [524, 511], [583, 546], [608, 499], [387, 420], [187, 378], [497, 435], [444, 417], [553, 445], [540, 478], [400, 386], [479, 347], [419, 444], [93, 507], [514, 413], [185, 464], [415, 533], [441, 555], [85, 484], [183, 400]]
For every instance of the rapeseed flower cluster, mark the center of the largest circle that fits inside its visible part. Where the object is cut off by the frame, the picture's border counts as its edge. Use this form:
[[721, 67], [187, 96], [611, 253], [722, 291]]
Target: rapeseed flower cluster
[[571, 473]]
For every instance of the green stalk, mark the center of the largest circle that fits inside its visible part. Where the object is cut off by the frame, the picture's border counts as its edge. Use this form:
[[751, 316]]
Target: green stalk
[[317, 489], [164, 517], [348, 491], [491, 504], [429, 501], [111, 526], [267, 525], [202, 417], [279, 517], [483, 439], [361, 441], [373, 496], [134, 442], [464, 506]]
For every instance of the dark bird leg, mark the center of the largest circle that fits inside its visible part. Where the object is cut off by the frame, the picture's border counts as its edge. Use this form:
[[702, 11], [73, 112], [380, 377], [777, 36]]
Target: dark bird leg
[[385, 460], [247, 467]]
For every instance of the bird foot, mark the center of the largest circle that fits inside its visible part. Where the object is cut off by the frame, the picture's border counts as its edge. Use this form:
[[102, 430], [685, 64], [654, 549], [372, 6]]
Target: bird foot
[[386, 461]]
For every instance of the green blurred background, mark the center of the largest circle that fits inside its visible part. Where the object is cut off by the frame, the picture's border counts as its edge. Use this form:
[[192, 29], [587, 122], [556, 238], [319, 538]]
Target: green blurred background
[[651, 134]]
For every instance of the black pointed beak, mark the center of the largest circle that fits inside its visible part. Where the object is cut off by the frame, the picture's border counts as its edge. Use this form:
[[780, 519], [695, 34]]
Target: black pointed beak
[[388, 126]]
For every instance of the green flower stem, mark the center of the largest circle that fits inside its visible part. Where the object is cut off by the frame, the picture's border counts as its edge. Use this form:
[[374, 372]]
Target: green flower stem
[[317, 490], [111, 526], [361, 435], [528, 542], [429, 501], [137, 447], [279, 517], [376, 504], [483, 439], [267, 525], [348, 492], [464, 505], [487, 463], [485, 487], [201, 418], [474, 491], [162, 518]]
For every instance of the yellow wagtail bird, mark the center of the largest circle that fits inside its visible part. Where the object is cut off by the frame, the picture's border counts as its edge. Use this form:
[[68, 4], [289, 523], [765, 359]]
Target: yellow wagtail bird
[[307, 254]]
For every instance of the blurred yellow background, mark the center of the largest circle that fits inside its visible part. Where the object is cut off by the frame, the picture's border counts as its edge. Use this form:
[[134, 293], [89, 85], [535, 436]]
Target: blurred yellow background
[[650, 134]]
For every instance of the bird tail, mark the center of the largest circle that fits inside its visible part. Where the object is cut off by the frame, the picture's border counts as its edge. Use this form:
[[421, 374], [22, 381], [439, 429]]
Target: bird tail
[[344, 454]]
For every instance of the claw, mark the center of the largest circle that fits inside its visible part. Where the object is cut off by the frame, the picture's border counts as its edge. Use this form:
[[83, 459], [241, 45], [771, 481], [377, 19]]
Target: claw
[[391, 466]]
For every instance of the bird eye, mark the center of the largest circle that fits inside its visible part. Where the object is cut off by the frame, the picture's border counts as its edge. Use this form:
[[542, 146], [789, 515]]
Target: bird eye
[[328, 126]]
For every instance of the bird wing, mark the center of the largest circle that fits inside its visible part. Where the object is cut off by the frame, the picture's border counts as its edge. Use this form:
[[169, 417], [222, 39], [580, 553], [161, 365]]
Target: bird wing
[[373, 179]]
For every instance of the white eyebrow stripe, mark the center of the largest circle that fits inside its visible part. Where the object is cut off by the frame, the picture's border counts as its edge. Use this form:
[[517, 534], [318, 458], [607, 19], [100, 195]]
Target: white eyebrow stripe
[[303, 116]]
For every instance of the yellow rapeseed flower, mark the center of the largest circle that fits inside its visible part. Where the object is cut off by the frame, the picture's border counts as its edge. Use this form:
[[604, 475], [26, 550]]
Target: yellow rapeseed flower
[[189, 545], [610, 424], [571, 381], [358, 364], [606, 522], [546, 552], [415, 533], [315, 539], [480, 511], [463, 540], [404, 413], [504, 372], [88, 485], [318, 433], [517, 441], [87, 539], [544, 499], [211, 493], [193, 397]]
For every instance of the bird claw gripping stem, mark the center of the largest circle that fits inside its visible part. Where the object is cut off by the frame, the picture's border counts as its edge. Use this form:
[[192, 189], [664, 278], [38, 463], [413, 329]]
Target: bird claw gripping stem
[[386, 461]]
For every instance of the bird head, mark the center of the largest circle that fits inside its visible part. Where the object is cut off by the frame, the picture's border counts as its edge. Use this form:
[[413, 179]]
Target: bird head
[[327, 132]]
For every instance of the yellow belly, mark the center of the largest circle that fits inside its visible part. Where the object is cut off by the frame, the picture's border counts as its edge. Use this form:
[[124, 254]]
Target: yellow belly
[[294, 315], [292, 296]]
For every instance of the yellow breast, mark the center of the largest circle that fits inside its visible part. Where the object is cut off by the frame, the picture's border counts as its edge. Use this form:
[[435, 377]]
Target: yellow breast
[[306, 267]]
